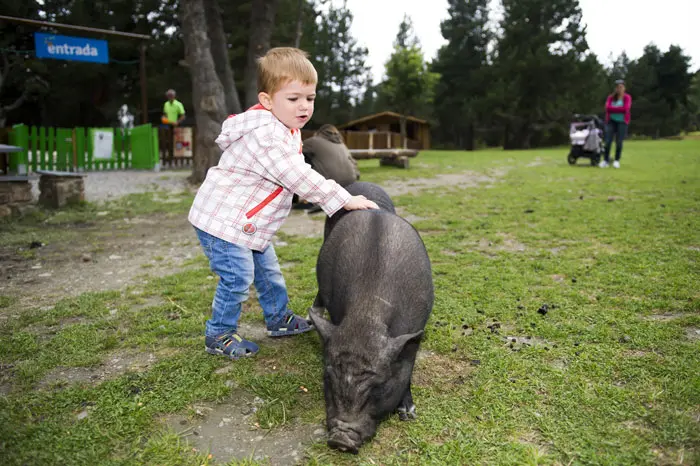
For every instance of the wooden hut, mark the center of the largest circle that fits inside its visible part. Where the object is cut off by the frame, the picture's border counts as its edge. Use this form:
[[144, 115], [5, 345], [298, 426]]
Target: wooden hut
[[379, 136], [385, 128]]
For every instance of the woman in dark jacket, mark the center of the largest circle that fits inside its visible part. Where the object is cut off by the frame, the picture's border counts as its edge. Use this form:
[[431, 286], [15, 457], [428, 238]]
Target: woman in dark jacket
[[617, 119]]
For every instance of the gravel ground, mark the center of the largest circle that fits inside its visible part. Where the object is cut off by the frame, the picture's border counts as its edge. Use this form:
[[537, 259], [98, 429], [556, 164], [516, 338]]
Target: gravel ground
[[107, 185]]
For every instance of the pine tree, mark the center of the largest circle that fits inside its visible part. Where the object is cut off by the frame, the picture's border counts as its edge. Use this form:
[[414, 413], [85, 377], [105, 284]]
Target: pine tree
[[463, 68], [409, 85], [341, 65], [674, 82], [694, 103], [648, 106], [620, 67], [539, 60]]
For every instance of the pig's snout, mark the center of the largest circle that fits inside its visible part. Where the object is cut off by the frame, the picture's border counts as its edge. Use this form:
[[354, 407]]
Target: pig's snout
[[344, 441], [346, 436]]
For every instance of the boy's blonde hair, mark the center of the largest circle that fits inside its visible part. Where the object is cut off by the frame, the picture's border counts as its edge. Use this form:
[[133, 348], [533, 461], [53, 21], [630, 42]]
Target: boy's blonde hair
[[281, 65]]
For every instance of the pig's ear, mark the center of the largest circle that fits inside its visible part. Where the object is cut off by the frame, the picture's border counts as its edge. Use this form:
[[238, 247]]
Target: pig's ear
[[397, 344], [323, 326]]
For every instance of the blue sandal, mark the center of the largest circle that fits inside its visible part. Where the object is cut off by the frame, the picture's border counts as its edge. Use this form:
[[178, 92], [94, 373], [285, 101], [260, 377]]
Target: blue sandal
[[291, 324], [230, 345]]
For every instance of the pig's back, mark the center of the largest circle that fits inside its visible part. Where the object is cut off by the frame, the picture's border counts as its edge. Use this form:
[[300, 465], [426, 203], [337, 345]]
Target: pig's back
[[375, 262], [370, 191]]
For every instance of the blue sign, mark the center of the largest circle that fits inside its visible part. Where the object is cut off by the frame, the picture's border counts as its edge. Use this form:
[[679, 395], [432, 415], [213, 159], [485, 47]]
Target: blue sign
[[70, 48]]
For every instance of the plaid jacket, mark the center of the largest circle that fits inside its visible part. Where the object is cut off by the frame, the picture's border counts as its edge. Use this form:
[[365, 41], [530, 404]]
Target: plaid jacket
[[246, 197]]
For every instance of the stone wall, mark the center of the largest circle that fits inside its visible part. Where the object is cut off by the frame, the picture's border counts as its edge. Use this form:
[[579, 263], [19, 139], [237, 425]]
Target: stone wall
[[14, 194], [59, 191]]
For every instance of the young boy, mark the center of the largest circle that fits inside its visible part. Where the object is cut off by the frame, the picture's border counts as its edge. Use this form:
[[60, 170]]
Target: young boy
[[245, 199]]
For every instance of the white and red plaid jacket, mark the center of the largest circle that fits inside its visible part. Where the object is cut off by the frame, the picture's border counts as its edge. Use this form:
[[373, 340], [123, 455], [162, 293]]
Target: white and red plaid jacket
[[246, 197]]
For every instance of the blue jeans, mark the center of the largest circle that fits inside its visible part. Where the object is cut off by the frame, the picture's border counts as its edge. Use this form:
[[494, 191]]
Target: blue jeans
[[618, 131], [238, 267]]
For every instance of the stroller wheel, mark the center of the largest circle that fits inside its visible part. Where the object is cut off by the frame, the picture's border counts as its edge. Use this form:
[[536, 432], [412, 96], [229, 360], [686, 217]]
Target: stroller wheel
[[571, 158], [595, 160]]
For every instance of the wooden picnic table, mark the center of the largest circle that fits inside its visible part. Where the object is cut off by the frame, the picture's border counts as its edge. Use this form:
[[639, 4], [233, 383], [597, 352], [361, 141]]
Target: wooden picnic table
[[395, 157]]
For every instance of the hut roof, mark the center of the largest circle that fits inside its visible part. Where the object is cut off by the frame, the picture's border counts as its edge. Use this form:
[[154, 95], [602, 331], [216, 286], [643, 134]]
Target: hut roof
[[380, 115]]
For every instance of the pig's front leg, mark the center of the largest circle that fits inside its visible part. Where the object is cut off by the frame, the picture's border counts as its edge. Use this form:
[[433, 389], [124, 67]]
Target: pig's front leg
[[407, 409], [318, 306]]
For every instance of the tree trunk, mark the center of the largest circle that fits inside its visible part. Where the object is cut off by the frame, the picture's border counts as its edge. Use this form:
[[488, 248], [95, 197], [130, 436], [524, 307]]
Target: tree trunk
[[262, 21], [402, 125], [300, 9], [469, 137], [219, 51], [518, 136], [207, 91]]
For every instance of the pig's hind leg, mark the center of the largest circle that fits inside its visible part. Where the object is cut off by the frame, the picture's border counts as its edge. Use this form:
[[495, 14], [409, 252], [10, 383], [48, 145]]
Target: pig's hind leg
[[407, 409]]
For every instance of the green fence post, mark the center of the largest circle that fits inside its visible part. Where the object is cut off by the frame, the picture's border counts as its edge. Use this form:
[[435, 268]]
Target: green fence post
[[120, 146], [114, 161], [137, 147], [43, 159], [90, 162], [142, 143], [79, 148], [19, 161], [155, 150], [64, 147], [52, 149], [34, 147], [127, 148], [59, 146]]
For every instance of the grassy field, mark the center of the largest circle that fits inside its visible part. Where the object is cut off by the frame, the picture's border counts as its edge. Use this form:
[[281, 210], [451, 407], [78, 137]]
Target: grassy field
[[566, 329]]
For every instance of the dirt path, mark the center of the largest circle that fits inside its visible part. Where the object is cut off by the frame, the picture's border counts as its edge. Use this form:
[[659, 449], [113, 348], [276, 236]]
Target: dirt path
[[108, 260], [114, 257]]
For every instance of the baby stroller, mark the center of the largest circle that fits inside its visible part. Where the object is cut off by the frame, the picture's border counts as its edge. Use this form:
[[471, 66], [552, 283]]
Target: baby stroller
[[586, 136]]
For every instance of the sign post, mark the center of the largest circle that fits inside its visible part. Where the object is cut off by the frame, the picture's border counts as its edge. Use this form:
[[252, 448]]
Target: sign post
[[71, 48]]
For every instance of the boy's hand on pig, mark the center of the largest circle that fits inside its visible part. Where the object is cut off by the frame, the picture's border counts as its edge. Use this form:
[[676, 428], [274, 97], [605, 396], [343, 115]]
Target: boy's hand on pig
[[360, 203]]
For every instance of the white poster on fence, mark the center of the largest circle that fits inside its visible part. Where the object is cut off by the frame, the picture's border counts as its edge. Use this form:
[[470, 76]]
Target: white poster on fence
[[102, 144]]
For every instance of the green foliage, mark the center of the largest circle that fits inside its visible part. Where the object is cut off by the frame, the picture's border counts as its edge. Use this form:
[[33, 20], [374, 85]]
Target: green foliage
[[409, 85], [515, 84], [88, 94], [462, 90], [406, 37], [20, 81], [343, 75], [694, 103], [540, 70], [661, 87]]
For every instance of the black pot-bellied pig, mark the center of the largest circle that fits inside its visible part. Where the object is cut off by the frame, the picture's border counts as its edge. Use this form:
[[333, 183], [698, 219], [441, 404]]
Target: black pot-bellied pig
[[361, 188], [375, 281]]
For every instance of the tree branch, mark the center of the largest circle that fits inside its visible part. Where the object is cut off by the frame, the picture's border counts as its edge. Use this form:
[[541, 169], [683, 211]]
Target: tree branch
[[5, 69], [17, 103], [25, 94]]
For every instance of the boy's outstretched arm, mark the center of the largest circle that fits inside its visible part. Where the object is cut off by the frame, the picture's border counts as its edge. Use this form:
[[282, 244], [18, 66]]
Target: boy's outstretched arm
[[291, 171]]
